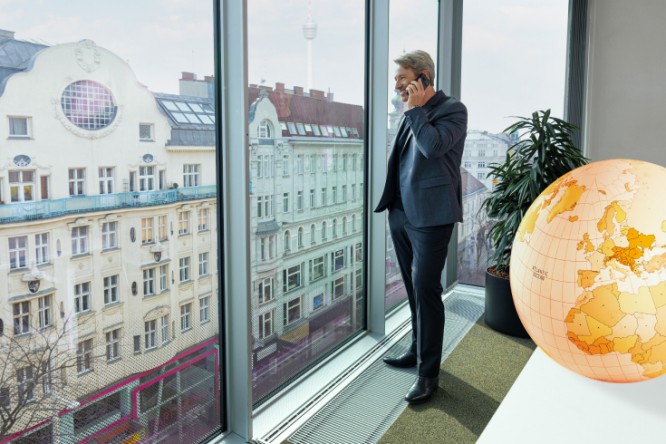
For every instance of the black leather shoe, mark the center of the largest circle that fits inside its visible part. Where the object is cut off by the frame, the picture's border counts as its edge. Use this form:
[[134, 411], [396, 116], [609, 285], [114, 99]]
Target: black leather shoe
[[422, 390], [405, 360]]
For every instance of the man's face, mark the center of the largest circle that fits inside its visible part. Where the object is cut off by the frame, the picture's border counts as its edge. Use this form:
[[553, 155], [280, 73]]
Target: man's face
[[403, 77]]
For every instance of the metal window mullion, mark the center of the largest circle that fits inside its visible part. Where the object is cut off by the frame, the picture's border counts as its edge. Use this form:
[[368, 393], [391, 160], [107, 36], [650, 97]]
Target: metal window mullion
[[377, 106], [236, 213], [449, 59]]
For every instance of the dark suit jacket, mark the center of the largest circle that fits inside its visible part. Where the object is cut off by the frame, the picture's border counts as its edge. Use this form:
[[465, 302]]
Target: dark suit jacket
[[429, 163]]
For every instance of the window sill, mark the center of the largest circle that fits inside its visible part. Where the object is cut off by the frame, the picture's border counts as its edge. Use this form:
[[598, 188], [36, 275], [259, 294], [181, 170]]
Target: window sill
[[81, 255], [186, 330], [113, 360], [85, 372], [20, 137], [110, 249], [112, 306]]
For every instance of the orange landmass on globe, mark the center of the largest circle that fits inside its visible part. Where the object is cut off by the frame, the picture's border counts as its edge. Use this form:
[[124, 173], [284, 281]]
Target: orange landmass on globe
[[586, 278], [612, 211], [585, 243], [638, 242], [568, 201], [573, 218]]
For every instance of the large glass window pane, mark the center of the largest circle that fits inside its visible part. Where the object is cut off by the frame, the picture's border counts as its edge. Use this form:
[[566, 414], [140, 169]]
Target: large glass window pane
[[404, 37], [110, 334], [498, 35], [306, 73]]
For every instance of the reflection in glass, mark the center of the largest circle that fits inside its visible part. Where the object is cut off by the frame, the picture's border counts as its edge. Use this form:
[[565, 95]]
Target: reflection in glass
[[300, 160], [102, 342]]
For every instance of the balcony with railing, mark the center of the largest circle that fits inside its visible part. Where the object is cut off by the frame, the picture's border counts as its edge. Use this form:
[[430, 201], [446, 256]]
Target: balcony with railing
[[45, 209]]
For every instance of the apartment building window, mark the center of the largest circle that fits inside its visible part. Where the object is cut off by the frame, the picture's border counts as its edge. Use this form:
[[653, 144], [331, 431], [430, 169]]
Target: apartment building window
[[184, 267], [335, 165], [287, 242], [481, 176], [147, 235], [344, 226], [109, 235], [338, 259], [137, 344], [204, 309], [185, 317], [481, 164], [82, 297], [164, 281], [285, 202], [481, 153], [164, 326], [162, 179], [191, 175], [84, 356], [146, 132], [317, 268], [204, 219], [344, 193], [150, 334], [354, 162], [358, 252], [291, 278], [21, 312], [47, 383], [312, 198], [18, 252], [299, 166], [79, 240], [147, 178], [323, 231], [313, 232], [265, 288], [271, 246], [299, 200], [334, 195], [44, 313], [344, 162], [203, 264], [113, 345], [338, 289], [110, 289], [335, 228], [266, 324], [149, 282], [183, 222], [106, 180], [285, 166], [324, 201], [22, 186], [300, 237], [77, 181], [265, 130], [353, 223], [291, 311], [262, 243], [467, 165], [353, 192], [19, 127], [26, 384], [161, 228], [4, 398]]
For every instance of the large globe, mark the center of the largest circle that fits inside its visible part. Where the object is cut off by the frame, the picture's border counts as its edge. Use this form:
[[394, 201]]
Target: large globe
[[588, 270]]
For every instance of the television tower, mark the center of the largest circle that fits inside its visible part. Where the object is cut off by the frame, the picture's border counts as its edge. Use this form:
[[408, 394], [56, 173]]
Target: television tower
[[309, 32]]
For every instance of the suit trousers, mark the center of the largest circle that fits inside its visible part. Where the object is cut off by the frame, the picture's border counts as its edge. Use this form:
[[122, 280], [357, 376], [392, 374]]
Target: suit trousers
[[421, 255]]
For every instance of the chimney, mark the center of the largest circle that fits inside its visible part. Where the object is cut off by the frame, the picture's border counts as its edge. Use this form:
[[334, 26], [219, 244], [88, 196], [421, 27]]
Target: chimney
[[188, 76], [209, 79], [279, 86], [298, 90], [329, 96], [4, 34]]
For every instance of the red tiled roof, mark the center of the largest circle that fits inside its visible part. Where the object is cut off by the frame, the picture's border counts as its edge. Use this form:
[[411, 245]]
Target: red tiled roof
[[313, 109]]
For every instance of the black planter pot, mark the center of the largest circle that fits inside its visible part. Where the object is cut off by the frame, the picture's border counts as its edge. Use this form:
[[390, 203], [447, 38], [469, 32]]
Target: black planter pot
[[500, 312]]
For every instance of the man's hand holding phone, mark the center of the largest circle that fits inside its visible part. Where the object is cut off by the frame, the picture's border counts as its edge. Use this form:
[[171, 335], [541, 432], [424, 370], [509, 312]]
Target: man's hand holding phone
[[416, 90]]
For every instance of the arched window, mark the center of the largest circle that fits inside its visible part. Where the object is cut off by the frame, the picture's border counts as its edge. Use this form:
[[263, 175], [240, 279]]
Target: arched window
[[286, 242], [265, 130], [323, 231], [300, 237], [312, 234], [344, 226], [335, 228]]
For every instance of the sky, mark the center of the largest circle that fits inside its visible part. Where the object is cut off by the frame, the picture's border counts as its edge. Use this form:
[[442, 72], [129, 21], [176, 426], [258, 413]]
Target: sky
[[513, 50]]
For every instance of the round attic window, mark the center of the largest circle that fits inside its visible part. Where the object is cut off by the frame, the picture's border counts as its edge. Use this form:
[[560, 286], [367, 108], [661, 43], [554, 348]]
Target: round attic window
[[88, 105]]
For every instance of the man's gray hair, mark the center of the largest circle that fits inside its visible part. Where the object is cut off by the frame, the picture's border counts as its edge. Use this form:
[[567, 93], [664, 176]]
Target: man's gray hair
[[418, 61]]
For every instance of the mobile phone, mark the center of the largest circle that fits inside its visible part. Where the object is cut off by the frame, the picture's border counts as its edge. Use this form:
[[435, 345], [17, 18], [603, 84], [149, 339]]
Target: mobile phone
[[424, 80]]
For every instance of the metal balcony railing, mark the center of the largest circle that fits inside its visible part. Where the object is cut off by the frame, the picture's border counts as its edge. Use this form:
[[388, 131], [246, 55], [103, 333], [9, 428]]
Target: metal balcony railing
[[45, 209]]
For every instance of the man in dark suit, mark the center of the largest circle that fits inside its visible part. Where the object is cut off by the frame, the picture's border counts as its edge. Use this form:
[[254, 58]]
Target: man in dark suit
[[423, 194]]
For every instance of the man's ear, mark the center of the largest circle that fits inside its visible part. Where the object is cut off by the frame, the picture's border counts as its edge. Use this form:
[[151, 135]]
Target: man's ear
[[427, 74]]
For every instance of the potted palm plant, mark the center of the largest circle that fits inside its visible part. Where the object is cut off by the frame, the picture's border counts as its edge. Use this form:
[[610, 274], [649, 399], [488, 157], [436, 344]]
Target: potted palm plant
[[544, 151]]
